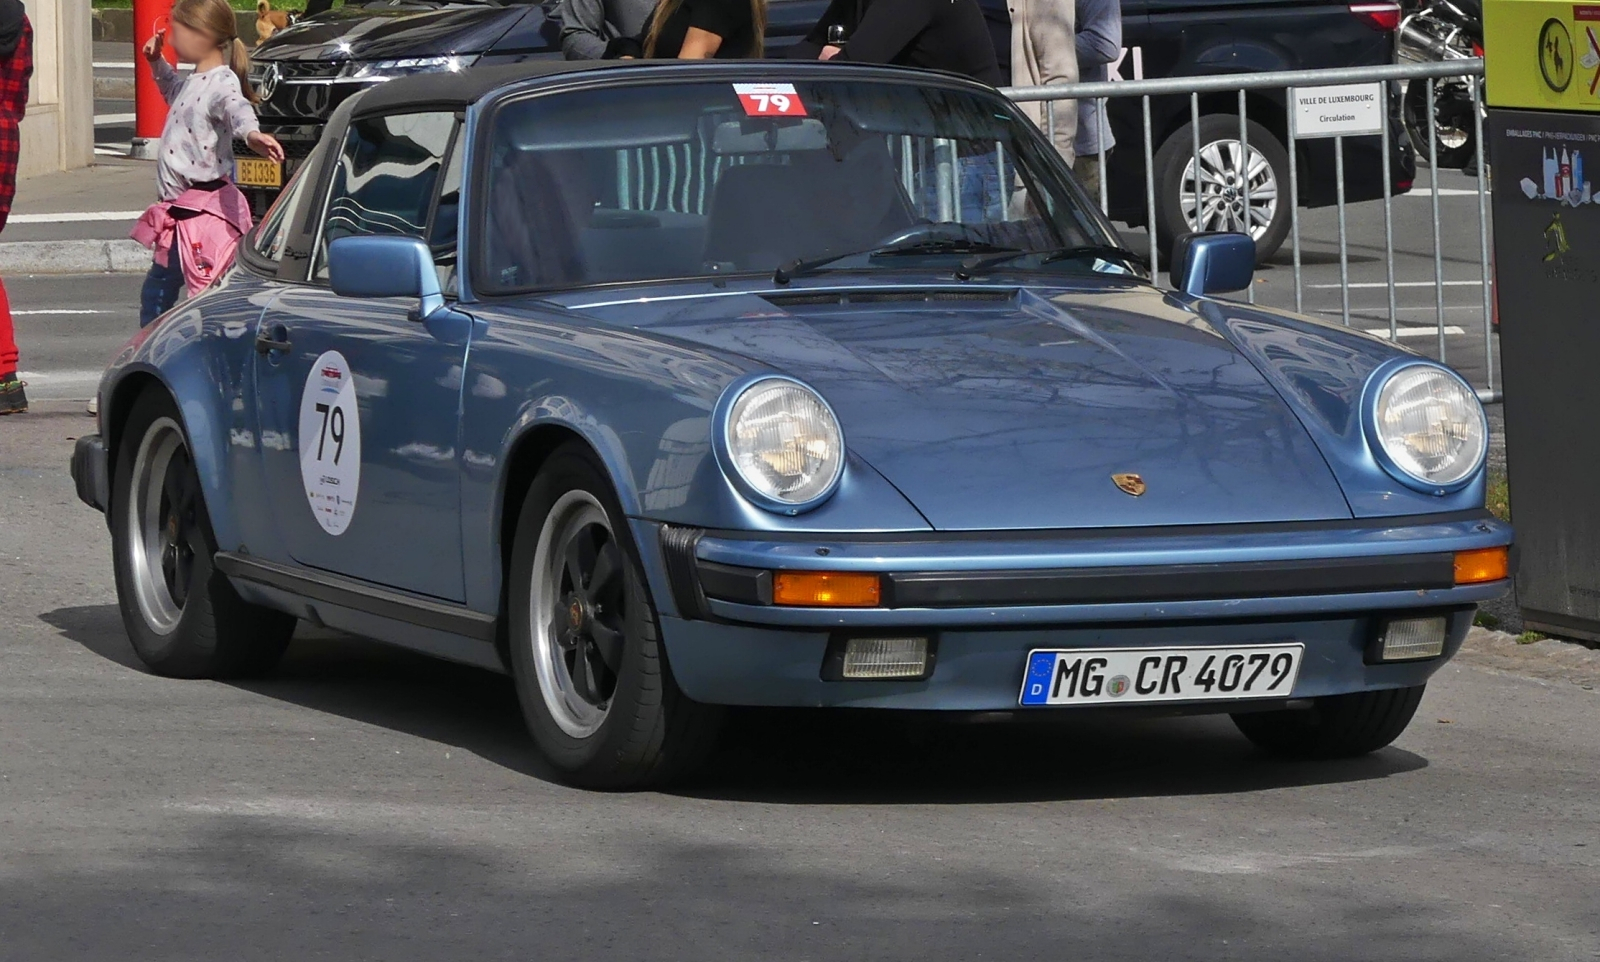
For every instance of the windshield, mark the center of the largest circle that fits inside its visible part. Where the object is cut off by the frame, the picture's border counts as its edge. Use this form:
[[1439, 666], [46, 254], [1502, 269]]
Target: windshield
[[687, 180]]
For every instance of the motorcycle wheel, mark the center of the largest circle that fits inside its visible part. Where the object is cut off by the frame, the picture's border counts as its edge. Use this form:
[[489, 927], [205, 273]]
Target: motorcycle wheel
[[1451, 116]]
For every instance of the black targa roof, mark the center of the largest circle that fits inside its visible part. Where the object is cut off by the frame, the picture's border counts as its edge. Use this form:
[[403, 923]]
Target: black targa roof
[[459, 90]]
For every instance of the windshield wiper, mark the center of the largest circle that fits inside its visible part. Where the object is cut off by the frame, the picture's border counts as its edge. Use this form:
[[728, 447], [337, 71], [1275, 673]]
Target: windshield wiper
[[812, 265], [974, 266]]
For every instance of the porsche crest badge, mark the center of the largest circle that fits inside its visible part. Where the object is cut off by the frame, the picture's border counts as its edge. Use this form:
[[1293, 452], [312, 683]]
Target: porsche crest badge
[[1129, 483]]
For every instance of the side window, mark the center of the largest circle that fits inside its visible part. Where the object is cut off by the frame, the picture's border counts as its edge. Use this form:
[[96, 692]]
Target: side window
[[384, 180], [273, 234]]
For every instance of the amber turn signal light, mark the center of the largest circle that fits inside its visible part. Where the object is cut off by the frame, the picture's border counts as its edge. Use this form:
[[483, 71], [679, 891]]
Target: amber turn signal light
[[826, 589], [1482, 564]]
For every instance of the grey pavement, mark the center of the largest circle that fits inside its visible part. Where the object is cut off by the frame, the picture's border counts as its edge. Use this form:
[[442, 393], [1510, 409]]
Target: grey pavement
[[364, 803]]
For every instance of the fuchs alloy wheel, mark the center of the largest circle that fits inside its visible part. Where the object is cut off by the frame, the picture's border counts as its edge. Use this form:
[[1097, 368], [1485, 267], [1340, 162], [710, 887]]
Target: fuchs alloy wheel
[[1336, 726], [1225, 169], [591, 673], [182, 615]]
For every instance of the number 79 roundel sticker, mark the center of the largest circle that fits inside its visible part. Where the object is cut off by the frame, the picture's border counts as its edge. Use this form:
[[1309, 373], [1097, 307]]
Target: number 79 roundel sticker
[[770, 100], [330, 442]]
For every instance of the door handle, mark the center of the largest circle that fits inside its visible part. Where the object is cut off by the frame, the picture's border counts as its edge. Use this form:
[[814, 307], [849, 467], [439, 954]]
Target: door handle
[[277, 339]]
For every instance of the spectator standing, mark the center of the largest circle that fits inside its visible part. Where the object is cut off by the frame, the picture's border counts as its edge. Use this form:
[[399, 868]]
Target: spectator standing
[[698, 30], [1043, 52], [587, 26], [936, 34], [209, 109], [1099, 45], [16, 68]]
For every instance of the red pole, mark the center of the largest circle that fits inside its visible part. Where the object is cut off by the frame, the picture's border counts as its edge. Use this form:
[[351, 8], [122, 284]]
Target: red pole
[[150, 111]]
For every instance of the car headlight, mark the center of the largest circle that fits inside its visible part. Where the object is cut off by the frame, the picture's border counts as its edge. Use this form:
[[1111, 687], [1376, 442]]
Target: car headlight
[[1429, 427], [390, 69], [782, 442]]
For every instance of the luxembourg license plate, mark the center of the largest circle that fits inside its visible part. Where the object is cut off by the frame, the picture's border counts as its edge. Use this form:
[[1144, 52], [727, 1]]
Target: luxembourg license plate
[[1106, 676], [257, 172]]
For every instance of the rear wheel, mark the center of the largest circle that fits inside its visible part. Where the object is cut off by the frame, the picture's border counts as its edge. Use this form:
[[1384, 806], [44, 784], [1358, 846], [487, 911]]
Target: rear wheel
[[591, 673], [1226, 167], [182, 615], [1337, 726]]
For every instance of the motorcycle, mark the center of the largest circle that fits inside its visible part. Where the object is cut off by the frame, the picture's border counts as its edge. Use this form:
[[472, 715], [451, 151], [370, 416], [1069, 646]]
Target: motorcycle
[[1439, 30]]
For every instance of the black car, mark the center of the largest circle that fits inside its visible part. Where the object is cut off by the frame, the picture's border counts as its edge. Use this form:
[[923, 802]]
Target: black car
[[304, 72]]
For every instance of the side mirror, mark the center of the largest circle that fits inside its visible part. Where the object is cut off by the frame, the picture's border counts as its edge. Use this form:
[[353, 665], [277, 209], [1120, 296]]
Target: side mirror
[[372, 265], [1213, 263]]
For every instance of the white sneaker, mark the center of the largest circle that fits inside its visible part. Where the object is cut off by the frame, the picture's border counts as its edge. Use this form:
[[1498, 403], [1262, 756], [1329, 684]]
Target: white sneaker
[[94, 406]]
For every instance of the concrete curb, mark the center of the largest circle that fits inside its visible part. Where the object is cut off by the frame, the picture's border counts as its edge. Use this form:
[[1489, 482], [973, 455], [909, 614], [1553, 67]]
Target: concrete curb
[[73, 257]]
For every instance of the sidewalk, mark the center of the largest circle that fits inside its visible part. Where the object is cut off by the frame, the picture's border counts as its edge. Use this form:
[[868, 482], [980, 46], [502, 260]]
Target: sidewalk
[[77, 222]]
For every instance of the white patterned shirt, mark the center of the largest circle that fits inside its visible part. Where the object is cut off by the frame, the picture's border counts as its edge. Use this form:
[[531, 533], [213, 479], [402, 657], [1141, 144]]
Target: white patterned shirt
[[205, 112]]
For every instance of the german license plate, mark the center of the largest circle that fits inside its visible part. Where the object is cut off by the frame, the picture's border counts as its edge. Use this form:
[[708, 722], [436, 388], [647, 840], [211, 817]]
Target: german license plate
[[1105, 676], [257, 172]]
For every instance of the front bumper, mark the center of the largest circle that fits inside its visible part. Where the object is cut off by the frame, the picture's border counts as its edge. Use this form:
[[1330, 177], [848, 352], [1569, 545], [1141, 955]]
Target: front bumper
[[89, 472], [986, 600]]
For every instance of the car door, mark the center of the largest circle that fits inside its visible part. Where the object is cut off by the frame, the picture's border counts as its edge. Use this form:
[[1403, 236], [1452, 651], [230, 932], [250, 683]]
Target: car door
[[358, 400]]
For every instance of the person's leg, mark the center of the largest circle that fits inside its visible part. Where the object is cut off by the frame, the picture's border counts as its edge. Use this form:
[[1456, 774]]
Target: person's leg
[[1052, 35], [13, 400], [1087, 169], [161, 286], [9, 356]]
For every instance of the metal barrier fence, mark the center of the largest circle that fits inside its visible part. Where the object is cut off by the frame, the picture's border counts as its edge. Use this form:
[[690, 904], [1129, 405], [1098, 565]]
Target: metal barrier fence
[[1290, 81]]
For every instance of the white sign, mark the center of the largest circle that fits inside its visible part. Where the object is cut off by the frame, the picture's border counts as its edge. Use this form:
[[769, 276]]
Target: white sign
[[1339, 110], [330, 442]]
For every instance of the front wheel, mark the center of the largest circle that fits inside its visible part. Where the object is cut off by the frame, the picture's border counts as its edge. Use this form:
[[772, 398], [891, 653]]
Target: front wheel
[[183, 616], [1226, 169], [1336, 726], [591, 674]]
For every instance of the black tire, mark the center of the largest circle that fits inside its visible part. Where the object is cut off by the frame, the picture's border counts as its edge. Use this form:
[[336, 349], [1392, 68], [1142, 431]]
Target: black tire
[[185, 621], [1219, 137], [645, 731], [1452, 114], [1337, 726]]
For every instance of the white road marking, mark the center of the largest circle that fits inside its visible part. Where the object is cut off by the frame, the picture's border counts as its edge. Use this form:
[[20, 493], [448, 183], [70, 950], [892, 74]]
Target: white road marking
[[1443, 192], [111, 120], [1380, 284], [61, 377], [112, 150], [1404, 332], [127, 65], [76, 217], [69, 312]]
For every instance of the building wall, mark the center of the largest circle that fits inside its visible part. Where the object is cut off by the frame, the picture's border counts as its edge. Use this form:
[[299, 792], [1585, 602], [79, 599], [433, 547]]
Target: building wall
[[58, 131]]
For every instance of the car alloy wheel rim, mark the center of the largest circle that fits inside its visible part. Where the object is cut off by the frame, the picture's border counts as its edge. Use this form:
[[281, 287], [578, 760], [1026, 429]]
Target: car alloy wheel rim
[[164, 536], [1223, 175], [578, 609]]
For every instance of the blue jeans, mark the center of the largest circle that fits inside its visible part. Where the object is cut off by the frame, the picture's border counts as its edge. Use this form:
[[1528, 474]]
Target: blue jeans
[[978, 182], [161, 287]]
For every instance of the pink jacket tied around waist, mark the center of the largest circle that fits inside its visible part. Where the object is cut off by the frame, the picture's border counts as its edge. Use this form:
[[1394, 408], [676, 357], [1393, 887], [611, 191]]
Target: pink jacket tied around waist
[[207, 225]]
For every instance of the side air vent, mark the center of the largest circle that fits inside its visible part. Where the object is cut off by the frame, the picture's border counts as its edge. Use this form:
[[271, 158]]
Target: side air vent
[[677, 550], [920, 296]]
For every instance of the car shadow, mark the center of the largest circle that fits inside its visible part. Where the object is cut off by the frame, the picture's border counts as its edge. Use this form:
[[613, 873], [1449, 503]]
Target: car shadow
[[793, 756]]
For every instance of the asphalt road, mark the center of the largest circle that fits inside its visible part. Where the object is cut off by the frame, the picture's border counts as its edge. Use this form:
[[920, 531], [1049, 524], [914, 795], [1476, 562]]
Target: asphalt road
[[363, 803]]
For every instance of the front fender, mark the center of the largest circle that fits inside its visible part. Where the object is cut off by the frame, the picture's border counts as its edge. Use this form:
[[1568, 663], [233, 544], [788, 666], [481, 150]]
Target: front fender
[[644, 404], [201, 354], [1322, 370]]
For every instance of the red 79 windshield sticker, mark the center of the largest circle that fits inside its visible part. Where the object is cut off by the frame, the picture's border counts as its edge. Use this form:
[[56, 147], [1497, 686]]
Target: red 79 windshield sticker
[[770, 100]]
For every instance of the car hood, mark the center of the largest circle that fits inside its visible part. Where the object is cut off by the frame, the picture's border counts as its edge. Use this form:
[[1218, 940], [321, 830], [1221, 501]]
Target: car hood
[[1016, 410], [383, 33]]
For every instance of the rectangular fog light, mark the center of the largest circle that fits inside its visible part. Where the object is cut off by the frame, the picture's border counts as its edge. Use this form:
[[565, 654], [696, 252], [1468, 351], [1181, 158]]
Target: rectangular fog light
[[884, 658], [1407, 639]]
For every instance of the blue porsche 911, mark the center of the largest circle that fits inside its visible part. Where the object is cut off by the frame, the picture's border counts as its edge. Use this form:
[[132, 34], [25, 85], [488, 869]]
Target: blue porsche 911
[[672, 387]]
